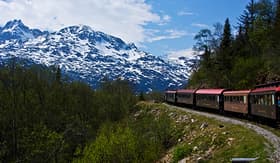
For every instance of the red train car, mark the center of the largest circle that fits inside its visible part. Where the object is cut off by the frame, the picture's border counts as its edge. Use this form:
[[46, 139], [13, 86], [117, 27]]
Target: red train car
[[265, 102], [186, 96], [210, 98], [170, 96], [237, 101]]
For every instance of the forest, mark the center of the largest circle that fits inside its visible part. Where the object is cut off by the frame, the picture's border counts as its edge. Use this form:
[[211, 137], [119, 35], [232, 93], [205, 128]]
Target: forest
[[243, 55], [44, 117]]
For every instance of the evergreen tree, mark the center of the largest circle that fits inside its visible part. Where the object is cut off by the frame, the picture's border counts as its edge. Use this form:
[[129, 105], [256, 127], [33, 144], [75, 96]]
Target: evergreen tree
[[224, 56], [227, 37], [141, 97], [58, 75]]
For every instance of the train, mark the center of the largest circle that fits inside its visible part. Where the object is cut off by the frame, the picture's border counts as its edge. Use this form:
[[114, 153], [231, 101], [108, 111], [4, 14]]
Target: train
[[261, 102]]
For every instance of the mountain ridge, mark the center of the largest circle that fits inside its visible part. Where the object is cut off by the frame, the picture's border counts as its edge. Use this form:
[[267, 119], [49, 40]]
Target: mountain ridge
[[88, 55]]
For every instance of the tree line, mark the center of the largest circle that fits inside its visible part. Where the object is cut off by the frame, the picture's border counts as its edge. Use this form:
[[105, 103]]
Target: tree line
[[241, 60]]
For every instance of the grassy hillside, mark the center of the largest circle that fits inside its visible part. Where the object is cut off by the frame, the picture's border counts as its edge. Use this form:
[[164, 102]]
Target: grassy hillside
[[206, 140]]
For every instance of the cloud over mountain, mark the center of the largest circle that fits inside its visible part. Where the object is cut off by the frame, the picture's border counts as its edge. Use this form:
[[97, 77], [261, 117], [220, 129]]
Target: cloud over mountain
[[121, 18]]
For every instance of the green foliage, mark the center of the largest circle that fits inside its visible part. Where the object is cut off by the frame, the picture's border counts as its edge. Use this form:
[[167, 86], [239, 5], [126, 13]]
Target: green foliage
[[245, 71], [45, 118], [115, 100], [113, 144], [226, 37], [201, 139], [181, 152], [133, 140], [154, 96], [249, 58], [141, 97], [40, 143]]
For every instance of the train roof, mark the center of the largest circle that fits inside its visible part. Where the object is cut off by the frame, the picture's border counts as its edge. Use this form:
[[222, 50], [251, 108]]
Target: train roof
[[210, 91], [170, 91], [266, 89], [246, 92], [186, 90]]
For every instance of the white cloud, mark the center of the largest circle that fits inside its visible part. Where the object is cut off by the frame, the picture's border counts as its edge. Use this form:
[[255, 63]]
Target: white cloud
[[174, 55], [164, 20], [121, 18], [185, 13], [200, 25], [168, 34]]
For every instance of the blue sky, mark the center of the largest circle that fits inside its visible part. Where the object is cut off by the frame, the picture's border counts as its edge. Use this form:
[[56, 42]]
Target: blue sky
[[160, 27], [188, 17]]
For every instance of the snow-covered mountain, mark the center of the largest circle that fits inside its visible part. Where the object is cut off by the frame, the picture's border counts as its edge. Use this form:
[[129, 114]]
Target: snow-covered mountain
[[88, 55]]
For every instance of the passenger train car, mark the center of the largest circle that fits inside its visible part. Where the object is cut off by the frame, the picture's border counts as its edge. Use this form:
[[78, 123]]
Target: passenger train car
[[186, 96], [210, 98], [263, 101], [237, 101]]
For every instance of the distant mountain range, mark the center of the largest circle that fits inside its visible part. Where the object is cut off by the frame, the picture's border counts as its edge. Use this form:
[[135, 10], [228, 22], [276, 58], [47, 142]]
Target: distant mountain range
[[87, 55]]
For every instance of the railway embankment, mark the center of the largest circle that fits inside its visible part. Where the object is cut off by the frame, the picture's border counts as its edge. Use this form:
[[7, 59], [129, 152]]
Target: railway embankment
[[208, 137], [270, 134]]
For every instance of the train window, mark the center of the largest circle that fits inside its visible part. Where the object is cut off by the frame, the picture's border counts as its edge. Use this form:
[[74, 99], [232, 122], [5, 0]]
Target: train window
[[241, 99], [272, 99], [268, 98], [261, 100], [256, 100], [253, 100], [245, 99]]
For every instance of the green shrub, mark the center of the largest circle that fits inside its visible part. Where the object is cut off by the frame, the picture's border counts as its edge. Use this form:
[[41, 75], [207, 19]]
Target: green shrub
[[180, 152]]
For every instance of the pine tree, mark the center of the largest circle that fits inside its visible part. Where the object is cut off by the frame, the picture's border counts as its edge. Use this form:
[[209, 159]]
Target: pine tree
[[58, 75], [246, 21], [227, 38], [224, 56], [141, 97]]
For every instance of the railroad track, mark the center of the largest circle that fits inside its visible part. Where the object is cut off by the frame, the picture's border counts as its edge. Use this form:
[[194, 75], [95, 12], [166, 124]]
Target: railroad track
[[270, 136]]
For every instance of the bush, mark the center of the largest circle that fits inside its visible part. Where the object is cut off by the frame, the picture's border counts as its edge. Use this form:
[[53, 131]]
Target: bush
[[180, 152]]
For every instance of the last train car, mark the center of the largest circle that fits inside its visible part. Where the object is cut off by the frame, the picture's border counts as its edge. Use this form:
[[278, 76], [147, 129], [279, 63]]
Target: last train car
[[170, 96], [210, 98], [265, 102]]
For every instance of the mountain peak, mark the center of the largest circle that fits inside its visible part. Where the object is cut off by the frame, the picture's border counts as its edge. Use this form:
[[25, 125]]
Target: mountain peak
[[14, 22], [88, 55], [14, 25], [17, 30]]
